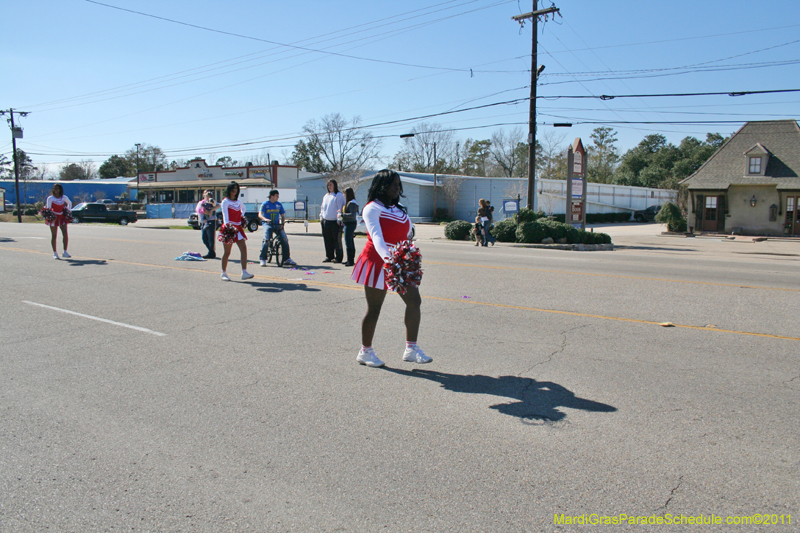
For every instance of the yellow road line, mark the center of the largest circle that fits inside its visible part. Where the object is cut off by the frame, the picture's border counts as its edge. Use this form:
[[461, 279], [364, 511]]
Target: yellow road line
[[443, 299], [600, 275]]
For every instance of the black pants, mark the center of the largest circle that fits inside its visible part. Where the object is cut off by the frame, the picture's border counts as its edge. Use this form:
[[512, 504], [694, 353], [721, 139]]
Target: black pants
[[332, 235], [349, 241]]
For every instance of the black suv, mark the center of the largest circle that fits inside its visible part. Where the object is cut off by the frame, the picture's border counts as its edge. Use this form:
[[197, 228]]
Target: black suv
[[646, 215]]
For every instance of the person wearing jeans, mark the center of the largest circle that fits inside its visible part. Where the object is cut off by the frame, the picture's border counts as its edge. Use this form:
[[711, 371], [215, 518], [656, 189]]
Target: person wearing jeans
[[206, 216], [273, 217]]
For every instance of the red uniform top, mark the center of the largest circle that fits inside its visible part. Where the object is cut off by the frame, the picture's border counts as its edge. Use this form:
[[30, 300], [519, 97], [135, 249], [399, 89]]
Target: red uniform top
[[386, 226]]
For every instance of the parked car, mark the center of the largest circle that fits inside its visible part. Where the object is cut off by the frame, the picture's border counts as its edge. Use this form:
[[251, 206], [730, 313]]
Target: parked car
[[253, 222], [106, 201], [361, 229], [97, 212], [646, 215]]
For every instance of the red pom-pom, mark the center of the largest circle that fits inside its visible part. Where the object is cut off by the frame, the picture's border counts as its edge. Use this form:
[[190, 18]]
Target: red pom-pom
[[227, 233], [404, 268], [68, 218], [48, 214]]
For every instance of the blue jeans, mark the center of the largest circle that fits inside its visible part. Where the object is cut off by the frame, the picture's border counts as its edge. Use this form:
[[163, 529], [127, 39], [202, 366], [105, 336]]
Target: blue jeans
[[208, 231], [487, 238], [265, 242]]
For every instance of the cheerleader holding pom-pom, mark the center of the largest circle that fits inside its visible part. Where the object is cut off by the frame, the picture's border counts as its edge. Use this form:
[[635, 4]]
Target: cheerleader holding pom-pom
[[388, 261], [56, 213], [232, 230]]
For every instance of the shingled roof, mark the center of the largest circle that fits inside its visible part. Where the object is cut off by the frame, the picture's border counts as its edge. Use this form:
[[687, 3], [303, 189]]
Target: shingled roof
[[781, 138]]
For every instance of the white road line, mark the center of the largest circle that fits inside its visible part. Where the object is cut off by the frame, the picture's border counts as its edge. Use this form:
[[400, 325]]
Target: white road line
[[137, 328]]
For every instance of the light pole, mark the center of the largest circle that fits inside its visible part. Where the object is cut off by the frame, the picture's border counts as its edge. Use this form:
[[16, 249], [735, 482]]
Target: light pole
[[15, 134], [137, 169]]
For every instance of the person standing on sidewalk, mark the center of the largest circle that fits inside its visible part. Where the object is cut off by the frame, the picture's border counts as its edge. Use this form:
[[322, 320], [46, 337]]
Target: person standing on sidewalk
[[350, 220], [486, 219], [332, 203], [207, 218]]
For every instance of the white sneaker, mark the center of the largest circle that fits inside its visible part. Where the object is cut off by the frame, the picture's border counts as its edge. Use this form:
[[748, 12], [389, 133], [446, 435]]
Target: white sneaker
[[368, 357], [247, 275], [263, 263], [224, 277], [416, 355], [55, 255], [66, 255]]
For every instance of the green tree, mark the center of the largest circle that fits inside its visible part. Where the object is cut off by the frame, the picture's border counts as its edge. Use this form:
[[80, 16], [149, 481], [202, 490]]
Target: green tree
[[476, 158], [116, 166], [603, 155], [70, 172], [148, 158], [227, 161], [306, 155]]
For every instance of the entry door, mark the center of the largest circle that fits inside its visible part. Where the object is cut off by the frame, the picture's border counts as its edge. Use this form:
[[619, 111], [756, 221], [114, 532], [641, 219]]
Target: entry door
[[710, 212], [793, 214]]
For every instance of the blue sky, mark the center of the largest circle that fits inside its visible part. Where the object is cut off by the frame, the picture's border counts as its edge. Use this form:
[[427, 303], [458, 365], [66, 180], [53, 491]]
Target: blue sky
[[98, 79]]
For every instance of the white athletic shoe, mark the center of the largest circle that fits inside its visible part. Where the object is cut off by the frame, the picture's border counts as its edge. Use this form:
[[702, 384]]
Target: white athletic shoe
[[55, 255], [416, 355], [66, 255], [224, 277], [246, 275], [368, 357], [263, 263]]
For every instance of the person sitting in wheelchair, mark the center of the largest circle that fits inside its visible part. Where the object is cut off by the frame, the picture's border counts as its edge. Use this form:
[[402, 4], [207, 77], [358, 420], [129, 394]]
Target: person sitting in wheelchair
[[273, 217]]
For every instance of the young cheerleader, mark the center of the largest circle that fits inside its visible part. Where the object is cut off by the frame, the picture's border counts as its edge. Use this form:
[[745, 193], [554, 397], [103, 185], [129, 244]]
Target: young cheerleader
[[387, 224], [233, 213], [56, 202]]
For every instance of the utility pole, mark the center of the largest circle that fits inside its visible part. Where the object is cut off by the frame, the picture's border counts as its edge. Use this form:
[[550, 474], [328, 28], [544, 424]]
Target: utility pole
[[434, 182], [535, 71], [16, 133]]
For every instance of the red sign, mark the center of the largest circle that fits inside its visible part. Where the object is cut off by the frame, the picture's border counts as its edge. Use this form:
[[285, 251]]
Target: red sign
[[577, 211]]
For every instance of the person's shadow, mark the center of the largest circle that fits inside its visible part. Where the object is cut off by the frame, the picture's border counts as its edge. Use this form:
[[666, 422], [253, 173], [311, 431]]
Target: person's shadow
[[84, 262], [280, 287], [535, 400]]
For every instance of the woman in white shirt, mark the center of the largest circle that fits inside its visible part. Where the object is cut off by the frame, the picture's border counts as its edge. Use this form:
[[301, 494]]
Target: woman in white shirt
[[233, 214], [57, 202], [332, 204]]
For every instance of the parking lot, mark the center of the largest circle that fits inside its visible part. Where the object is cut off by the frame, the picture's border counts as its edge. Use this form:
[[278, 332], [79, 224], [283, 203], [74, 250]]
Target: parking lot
[[142, 393]]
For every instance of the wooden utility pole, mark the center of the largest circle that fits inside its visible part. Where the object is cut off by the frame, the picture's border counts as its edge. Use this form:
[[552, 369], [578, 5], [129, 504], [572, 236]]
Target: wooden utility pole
[[16, 133], [535, 70]]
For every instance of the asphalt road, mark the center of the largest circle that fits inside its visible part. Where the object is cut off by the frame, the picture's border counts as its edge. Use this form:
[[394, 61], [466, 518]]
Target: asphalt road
[[142, 393]]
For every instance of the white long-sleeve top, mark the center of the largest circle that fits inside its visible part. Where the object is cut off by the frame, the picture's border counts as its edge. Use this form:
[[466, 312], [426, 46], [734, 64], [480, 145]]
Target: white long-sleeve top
[[231, 205], [59, 201], [331, 204], [397, 223]]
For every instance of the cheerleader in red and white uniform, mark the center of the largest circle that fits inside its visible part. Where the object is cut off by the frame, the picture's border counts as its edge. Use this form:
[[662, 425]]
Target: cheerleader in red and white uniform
[[56, 202], [233, 211], [387, 224]]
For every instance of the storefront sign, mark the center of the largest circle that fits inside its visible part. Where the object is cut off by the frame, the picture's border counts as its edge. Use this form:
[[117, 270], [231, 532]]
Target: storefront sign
[[147, 177]]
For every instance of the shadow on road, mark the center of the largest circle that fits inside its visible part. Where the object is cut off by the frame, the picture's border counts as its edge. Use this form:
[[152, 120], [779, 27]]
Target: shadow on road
[[6, 239], [84, 262], [536, 400], [280, 287]]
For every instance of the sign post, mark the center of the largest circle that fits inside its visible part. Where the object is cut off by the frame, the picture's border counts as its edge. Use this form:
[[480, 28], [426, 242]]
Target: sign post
[[576, 184]]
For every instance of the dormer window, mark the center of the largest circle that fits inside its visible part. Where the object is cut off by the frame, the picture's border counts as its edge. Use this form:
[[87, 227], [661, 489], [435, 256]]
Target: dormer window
[[756, 160]]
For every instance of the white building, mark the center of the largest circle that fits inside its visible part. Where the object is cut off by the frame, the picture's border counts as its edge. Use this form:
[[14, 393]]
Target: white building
[[418, 192]]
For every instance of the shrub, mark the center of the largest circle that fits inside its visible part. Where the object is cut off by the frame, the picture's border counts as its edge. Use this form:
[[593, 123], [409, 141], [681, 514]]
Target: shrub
[[505, 231], [530, 232], [458, 230], [670, 214], [527, 215], [441, 214]]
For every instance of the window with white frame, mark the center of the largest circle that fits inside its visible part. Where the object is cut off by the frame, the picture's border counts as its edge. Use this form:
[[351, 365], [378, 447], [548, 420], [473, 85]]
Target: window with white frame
[[711, 202], [755, 165]]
